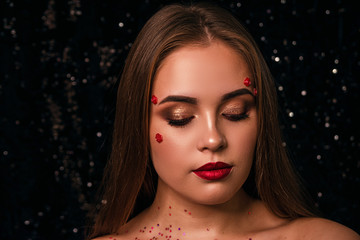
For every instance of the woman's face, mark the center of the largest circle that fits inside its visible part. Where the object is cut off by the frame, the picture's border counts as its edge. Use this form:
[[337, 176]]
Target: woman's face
[[204, 114]]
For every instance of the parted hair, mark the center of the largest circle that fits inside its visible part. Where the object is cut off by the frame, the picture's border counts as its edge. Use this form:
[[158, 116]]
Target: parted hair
[[129, 182]]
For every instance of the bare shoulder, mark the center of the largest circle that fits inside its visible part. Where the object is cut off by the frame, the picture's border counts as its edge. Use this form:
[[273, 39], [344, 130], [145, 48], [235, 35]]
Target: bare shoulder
[[127, 231], [320, 228]]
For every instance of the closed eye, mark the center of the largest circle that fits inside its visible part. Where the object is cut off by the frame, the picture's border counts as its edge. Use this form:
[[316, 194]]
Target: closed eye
[[235, 117], [180, 122]]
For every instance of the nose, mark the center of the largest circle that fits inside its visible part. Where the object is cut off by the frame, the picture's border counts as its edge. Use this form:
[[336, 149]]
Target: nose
[[211, 137]]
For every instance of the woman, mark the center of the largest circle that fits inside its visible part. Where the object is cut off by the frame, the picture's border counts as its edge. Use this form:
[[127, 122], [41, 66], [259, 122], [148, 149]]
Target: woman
[[197, 150]]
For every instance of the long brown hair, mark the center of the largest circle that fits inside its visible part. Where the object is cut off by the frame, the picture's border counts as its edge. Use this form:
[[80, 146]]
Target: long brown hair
[[129, 180]]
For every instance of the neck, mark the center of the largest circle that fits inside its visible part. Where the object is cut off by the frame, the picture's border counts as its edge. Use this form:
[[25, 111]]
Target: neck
[[171, 209]]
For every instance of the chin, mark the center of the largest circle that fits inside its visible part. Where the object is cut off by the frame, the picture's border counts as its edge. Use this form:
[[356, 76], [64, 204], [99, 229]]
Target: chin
[[214, 195]]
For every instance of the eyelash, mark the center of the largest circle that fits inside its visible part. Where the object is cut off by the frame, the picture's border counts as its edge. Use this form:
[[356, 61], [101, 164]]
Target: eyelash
[[235, 117], [180, 122], [183, 122]]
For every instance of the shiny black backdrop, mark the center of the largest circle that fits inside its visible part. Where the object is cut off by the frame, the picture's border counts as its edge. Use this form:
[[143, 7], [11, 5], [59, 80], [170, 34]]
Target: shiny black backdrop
[[59, 61]]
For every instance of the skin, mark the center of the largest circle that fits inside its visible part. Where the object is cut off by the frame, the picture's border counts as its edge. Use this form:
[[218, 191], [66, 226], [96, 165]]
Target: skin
[[210, 130]]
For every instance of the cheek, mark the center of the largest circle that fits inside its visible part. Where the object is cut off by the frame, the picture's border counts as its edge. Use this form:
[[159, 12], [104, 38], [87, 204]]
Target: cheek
[[161, 149], [167, 155], [246, 140], [242, 142]]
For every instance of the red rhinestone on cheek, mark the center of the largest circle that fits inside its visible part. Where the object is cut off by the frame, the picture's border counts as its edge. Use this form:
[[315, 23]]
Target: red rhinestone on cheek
[[247, 82], [158, 137], [154, 99]]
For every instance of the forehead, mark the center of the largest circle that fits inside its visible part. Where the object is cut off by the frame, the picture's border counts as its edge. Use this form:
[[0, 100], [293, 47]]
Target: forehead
[[196, 70]]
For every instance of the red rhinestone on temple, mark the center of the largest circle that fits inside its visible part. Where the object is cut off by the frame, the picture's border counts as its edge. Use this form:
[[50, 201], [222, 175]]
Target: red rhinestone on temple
[[247, 82], [154, 99]]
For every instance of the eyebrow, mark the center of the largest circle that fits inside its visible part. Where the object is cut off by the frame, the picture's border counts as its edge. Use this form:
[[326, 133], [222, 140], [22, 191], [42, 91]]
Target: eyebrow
[[191, 100], [238, 92], [176, 98]]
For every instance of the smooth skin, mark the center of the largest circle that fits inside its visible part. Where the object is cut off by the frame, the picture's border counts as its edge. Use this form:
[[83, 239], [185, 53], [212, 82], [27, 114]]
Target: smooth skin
[[205, 113]]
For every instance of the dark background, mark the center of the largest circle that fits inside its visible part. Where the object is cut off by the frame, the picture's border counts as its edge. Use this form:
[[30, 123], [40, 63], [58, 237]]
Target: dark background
[[59, 61]]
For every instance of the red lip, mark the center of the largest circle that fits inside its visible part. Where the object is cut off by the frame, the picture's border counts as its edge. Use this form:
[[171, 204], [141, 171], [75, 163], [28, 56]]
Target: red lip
[[213, 171]]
